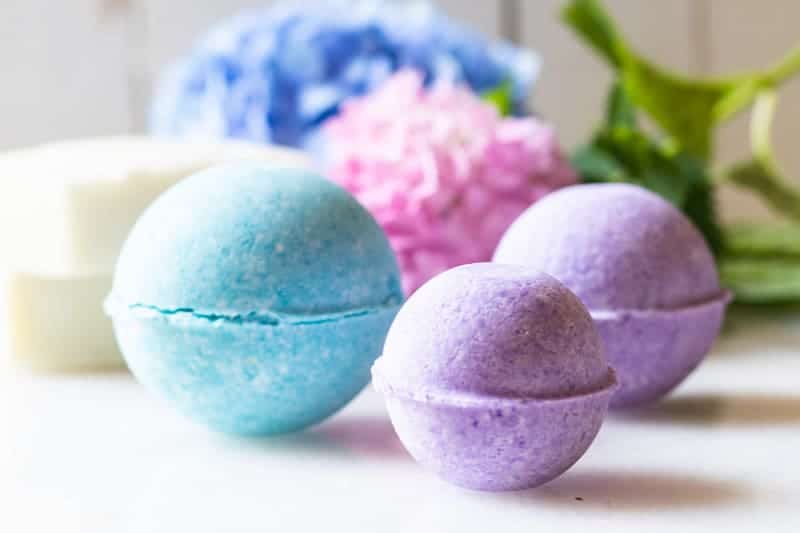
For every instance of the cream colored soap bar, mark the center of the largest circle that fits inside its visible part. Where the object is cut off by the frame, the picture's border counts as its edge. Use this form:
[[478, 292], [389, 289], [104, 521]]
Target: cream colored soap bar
[[65, 211], [66, 207], [58, 324]]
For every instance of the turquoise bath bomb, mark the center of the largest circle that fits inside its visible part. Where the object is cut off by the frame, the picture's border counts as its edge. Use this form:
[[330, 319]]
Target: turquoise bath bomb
[[254, 299]]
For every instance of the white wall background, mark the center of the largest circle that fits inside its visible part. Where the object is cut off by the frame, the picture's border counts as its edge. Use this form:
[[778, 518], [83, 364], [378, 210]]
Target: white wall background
[[85, 67]]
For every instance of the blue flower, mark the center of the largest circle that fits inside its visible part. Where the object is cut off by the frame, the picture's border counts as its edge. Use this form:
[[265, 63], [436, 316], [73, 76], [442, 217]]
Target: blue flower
[[276, 75]]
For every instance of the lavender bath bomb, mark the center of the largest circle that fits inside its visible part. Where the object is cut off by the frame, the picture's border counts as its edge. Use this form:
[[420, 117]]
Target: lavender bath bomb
[[643, 270], [494, 377]]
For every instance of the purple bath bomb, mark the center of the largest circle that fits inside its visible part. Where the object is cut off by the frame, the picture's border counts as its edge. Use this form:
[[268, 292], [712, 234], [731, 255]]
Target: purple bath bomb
[[643, 270], [494, 377]]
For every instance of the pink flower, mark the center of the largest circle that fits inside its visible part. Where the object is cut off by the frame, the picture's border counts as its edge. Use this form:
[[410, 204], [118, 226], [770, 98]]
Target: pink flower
[[440, 170]]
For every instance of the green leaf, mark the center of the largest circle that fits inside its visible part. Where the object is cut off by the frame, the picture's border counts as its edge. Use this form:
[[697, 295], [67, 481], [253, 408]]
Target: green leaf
[[763, 240], [761, 262], [597, 166], [684, 109], [746, 88], [760, 280], [501, 97], [592, 23], [620, 111], [699, 204], [645, 162], [687, 109]]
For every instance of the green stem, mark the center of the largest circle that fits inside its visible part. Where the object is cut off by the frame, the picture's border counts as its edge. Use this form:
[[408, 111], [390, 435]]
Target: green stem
[[589, 19], [761, 120], [761, 280], [748, 87], [766, 240], [762, 174], [773, 189], [786, 68]]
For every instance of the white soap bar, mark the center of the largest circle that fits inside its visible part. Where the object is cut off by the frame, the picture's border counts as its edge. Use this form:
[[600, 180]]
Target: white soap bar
[[66, 207], [65, 211], [58, 324]]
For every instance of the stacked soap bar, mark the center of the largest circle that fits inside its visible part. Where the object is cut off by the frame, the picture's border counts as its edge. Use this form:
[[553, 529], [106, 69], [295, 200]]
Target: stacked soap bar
[[65, 210]]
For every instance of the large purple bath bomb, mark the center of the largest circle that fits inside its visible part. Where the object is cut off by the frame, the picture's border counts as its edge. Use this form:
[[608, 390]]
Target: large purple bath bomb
[[494, 377], [643, 270]]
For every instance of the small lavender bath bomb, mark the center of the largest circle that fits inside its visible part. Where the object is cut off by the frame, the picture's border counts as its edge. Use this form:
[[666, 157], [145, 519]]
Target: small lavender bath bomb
[[254, 299], [494, 377], [643, 270]]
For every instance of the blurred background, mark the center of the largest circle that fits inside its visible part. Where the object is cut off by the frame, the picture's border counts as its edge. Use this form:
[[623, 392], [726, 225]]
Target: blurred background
[[86, 67], [98, 454]]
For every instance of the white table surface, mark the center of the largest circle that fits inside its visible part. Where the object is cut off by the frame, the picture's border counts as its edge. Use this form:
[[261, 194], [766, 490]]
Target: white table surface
[[98, 454]]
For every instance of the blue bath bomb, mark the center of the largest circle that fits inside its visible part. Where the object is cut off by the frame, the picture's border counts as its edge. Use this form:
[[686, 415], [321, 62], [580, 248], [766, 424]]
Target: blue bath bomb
[[255, 299]]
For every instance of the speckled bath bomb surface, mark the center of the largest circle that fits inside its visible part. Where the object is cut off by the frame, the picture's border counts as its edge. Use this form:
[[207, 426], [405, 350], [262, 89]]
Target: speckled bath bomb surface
[[640, 266], [254, 299], [494, 377]]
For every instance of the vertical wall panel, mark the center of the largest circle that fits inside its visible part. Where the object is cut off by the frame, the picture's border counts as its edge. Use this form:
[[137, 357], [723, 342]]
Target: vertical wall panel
[[65, 70], [482, 15], [574, 82], [745, 34]]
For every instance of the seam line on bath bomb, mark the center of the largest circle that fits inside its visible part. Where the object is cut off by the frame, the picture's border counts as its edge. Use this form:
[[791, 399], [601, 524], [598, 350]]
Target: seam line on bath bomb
[[266, 318], [469, 399], [724, 296]]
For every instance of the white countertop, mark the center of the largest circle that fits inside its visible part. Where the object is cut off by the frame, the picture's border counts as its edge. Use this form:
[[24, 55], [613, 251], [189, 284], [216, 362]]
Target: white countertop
[[98, 454]]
